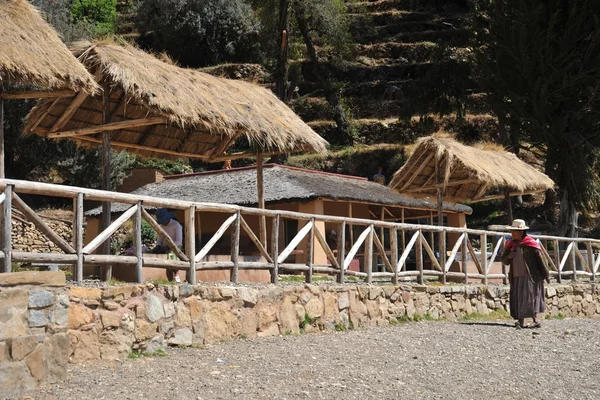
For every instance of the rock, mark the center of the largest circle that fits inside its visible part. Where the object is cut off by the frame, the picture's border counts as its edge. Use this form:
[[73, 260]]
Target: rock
[[248, 295], [249, 323], [35, 363], [13, 312], [314, 308], [56, 356], [109, 320], [288, 318], [375, 292], [196, 308], [181, 337], [110, 305], [186, 290], [85, 346], [166, 326], [84, 293], [127, 322], [119, 293], [227, 292], [40, 299], [79, 315], [156, 344], [182, 315], [550, 291], [15, 377], [145, 330], [115, 345], [343, 301], [272, 330], [169, 309], [330, 312], [4, 356], [39, 318], [267, 315], [47, 278], [154, 308], [22, 346], [220, 323]]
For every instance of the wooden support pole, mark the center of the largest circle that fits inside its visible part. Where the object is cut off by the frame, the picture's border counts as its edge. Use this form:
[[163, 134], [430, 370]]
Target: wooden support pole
[[463, 253], [235, 248], [310, 251], [36, 94], [7, 229], [78, 237], [2, 166], [262, 223], [350, 226], [484, 260], [590, 259], [275, 249], [368, 260], [394, 253], [341, 249], [106, 172], [190, 243], [573, 262], [137, 233], [403, 233], [557, 259], [509, 211], [419, 256]]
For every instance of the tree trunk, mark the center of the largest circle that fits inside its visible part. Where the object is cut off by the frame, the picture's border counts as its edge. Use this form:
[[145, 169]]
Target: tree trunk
[[331, 93], [282, 67], [567, 225]]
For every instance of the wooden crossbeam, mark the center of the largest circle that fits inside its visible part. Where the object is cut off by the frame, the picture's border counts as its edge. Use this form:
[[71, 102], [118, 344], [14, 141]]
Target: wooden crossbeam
[[431, 254], [416, 173], [44, 114], [547, 255], [356, 246], [474, 257], [2, 198], [565, 256], [381, 251], [68, 114], [407, 249], [582, 260], [255, 240], [113, 126], [36, 94], [208, 246], [112, 228], [295, 241], [164, 235], [495, 252], [41, 225], [326, 248], [450, 259], [451, 183]]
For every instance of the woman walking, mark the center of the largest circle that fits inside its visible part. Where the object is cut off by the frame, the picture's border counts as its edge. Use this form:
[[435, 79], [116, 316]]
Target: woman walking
[[528, 270]]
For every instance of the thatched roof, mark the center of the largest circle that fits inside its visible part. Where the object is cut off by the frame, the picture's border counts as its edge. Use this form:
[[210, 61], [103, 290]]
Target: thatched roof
[[282, 184], [31, 53], [468, 174], [191, 113]]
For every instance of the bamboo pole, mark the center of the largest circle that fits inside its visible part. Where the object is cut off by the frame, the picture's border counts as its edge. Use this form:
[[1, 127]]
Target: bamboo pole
[[275, 250], [137, 232], [309, 251], [341, 249], [78, 237], [106, 172], [7, 229], [190, 242], [262, 223]]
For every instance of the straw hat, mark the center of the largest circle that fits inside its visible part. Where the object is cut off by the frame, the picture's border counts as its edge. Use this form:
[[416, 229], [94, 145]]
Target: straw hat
[[518, 225]]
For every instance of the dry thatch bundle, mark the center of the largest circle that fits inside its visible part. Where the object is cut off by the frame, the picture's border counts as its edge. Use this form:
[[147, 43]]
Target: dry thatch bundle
[[170, 111], [466, 174], [31, 52]]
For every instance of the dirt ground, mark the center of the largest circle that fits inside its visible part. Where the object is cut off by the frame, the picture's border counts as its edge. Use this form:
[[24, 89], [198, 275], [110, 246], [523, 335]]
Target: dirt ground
[[424, 360]]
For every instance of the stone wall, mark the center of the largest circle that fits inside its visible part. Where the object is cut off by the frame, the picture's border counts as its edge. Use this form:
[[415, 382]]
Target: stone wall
[[109, 323], [26, 237], [34, 343]]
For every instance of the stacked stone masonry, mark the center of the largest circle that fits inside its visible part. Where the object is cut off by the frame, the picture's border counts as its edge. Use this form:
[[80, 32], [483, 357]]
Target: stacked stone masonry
[[26, 237], [43, 326]]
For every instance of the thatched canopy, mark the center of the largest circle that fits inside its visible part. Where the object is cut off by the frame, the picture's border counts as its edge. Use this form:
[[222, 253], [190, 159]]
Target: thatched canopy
[[467, 174], [31, 53], [159, 109], [283, 185]]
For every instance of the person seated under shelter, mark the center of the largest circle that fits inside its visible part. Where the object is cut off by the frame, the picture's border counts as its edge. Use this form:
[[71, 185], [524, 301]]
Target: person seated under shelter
[[172, 227]]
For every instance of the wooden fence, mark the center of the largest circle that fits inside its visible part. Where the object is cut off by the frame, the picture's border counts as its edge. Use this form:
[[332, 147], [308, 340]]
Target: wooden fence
[[388, 251]]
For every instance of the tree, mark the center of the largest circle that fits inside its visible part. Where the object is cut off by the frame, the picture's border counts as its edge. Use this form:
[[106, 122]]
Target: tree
[[100, 14], [540, 65], [197, 33]]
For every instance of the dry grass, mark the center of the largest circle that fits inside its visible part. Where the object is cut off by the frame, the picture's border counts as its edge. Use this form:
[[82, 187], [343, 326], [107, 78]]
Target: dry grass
[[31, 53]]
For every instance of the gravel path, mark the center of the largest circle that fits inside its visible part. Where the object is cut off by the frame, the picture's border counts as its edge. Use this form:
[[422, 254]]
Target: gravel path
[[425, 360]]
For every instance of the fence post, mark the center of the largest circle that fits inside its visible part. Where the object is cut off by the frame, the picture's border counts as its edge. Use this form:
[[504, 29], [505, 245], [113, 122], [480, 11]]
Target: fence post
[[78, 237], [442, 250], [419, 256], [504, 267], [394, 255], [369, 255], [484, 263], [7, 229], [139, 276], [557, 259], [190, 242], [464, 257], [341, 248], [574, 261], [590, 257], [235, 246], [275, 249], [310, 250]]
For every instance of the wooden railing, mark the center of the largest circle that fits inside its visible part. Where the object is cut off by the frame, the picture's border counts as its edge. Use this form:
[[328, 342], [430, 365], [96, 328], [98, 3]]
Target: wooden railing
[[388, 251]]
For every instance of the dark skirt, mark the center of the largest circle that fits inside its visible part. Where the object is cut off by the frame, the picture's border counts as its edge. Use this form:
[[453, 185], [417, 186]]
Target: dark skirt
[[526, 298]]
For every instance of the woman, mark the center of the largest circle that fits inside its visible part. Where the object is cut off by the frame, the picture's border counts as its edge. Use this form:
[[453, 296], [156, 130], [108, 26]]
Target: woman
[[528, 270]]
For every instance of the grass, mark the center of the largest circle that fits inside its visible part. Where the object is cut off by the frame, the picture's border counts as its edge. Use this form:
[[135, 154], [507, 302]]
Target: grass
[[114, 281], [301, 278], [494, 315], [306, 322], [135, 354], [559, 316], [339, 327], [163, 281]]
